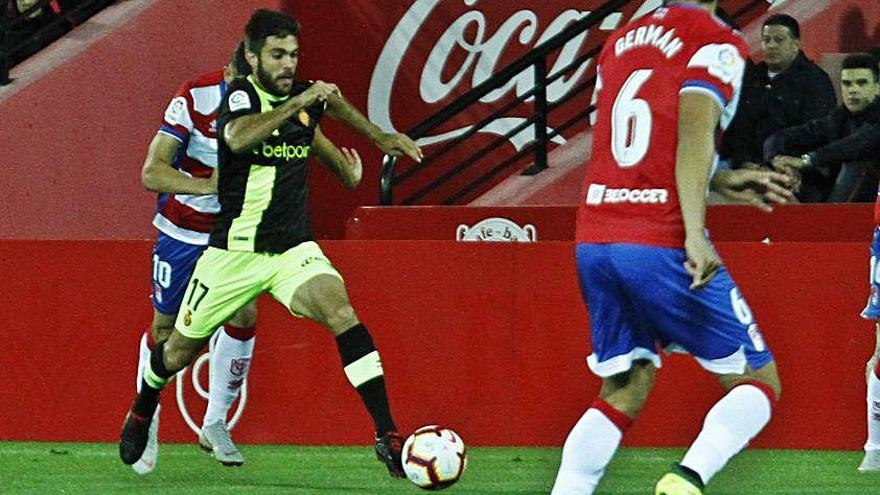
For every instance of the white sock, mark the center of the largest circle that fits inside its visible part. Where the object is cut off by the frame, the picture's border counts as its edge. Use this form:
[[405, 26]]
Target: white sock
[[588, 449], [143, 359], [729, 426], [873, 398], [230, 363]]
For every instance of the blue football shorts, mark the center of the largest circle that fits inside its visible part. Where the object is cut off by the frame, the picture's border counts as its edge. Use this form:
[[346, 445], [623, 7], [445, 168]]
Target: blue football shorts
[[872, 310], [173, 264], [638, 300]]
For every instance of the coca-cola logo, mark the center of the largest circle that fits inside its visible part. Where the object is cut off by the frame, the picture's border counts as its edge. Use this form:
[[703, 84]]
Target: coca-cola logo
[[469, 34]]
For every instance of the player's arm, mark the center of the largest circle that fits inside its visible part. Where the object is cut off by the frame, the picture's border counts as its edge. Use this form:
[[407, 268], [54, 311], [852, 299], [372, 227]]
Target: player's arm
[[158, 173], [698, 119], [345, 163], [394, 144], [244, 132]]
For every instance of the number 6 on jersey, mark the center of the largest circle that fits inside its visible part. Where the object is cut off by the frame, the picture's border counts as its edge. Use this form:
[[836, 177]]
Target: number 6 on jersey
[[631, 121]]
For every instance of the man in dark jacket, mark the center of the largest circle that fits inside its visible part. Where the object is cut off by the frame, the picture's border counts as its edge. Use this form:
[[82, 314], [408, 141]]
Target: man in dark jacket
[[785, 90], [849, 137]]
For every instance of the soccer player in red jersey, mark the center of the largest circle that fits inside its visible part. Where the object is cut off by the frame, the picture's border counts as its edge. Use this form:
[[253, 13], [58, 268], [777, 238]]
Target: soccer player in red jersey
[[667, 84]]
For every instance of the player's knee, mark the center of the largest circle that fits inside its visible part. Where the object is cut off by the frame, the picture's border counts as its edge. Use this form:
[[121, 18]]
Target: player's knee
[[341, 318], [245, 317], [628, 400], [639, 388], [628, 392]]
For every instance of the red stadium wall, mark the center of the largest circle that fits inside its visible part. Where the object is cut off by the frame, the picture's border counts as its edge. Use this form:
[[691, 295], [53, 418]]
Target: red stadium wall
[[488, 338], [832, 26], [74, 140]]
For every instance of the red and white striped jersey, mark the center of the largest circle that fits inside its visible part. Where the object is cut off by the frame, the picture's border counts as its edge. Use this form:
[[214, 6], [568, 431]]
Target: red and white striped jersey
[[630, 194], [191, 118]]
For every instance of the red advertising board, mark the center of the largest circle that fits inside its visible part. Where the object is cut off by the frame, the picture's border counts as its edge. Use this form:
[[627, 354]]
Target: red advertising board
[[488, 338], [727, 223]]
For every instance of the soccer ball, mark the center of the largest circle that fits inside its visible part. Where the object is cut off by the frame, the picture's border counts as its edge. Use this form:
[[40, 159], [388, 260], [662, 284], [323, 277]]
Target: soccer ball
[[434, 457]]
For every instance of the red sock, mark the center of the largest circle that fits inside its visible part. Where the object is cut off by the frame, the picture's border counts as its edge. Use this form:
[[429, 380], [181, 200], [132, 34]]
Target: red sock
[[620, 419], [240, 333]]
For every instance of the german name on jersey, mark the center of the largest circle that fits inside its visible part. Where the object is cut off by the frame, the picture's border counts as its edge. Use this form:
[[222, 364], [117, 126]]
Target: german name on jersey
[[191, 118], [264, 191], [629, 195]]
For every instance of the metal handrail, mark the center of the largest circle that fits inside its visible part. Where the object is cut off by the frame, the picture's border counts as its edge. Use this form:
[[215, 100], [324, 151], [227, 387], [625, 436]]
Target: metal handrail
[[537, 59]]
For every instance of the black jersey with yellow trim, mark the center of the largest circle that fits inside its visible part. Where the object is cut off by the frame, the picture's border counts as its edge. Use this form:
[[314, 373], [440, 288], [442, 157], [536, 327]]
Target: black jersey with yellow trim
[[263, 191]]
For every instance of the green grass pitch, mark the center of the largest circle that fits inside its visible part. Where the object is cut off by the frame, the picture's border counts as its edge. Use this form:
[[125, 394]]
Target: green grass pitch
[[88, 468]]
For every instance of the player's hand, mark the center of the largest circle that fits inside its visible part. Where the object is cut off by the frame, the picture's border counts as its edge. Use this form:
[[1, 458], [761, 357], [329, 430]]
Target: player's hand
[[318, 91], [750, 166], [211, 183], [702, 261], [759, 188], [396, 144], [354, 169]]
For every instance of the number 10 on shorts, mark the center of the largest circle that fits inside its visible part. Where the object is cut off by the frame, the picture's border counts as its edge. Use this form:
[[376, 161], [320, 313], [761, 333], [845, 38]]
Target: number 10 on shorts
[[744, 315]]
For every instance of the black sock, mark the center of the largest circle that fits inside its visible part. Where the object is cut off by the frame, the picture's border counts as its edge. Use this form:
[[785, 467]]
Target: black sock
[[690, 475], [148, 399], [354, 345]]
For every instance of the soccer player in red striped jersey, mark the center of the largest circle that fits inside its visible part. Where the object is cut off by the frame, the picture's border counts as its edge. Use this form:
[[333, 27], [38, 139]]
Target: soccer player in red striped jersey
[[667, 84], [180, 166]]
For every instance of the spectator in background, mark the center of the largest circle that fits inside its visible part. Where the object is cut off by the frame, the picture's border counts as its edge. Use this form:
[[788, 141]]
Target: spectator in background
[[785, 90], [848, 138], [35, 13], [30, 27]]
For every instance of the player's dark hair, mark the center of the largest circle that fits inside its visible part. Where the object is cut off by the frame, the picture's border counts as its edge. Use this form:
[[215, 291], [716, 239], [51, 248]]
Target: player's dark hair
[[727, 18], [862, 61], [238, 63], [784, 20], [265, 23]]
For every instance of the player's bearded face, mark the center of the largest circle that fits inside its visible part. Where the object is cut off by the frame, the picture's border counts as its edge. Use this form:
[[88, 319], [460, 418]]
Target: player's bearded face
[[276, 65]]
